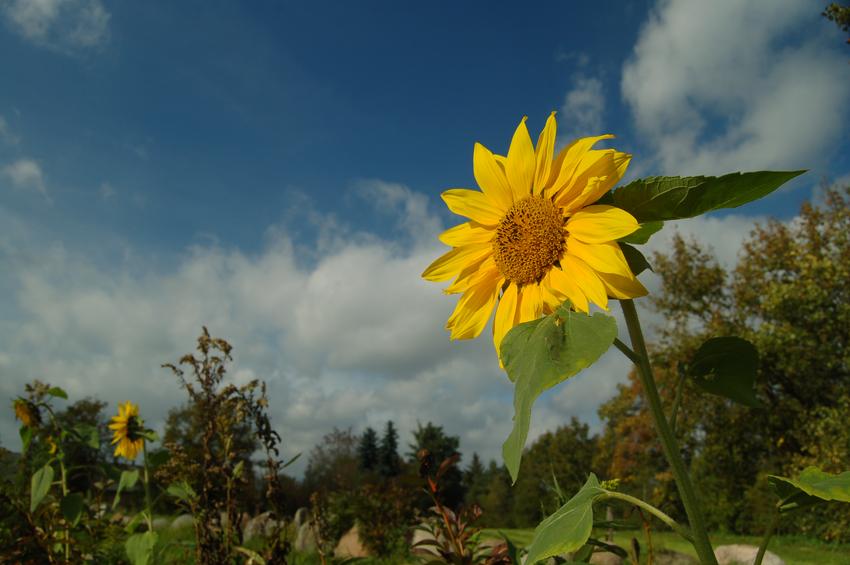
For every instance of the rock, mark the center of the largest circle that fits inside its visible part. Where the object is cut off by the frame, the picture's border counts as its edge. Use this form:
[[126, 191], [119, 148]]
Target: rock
[[350, 546], [668, 557], [301, 517], [419, 535], [260, 526], [740, 554], [160, 523], [305, 539], [606, 558], [182, 521]]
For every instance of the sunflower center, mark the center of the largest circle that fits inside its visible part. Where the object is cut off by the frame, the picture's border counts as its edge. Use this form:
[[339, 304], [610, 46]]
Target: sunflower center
[[134, 428], [529, 240]]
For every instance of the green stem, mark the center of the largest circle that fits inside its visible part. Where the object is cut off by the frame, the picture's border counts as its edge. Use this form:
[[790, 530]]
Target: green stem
[[64, 478], [767, 535], [674, 525], [147, 486], [668, 441]]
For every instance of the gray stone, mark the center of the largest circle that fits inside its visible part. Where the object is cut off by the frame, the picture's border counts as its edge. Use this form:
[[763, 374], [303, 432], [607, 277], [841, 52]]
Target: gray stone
[[160, 523], [350, 545], [260, 526], [740, 554], [606, 558], [302, 515], [419, 535], [305, 539], [669, 557], [182, 521]]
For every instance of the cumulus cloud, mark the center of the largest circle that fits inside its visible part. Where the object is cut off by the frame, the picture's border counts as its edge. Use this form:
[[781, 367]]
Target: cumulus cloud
[[6, 133], [583, 109], [26, 174], [60, 24], [721, 86]]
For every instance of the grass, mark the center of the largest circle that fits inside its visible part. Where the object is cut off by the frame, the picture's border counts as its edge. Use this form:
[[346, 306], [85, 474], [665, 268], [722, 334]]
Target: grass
[[794, 550]]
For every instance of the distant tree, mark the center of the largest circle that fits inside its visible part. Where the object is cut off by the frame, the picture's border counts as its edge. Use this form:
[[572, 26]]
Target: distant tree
[[368, 450], [441, 446], [840, 15], [498, 501], [389, 462], [475, 481], [334, 464]]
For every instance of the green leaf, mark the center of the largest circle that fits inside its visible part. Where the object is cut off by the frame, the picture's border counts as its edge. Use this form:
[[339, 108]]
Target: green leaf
[[812, 486], [291, 461], [71, 507], [237, 470], [569, 527], [88, 435], [26, 437], [726, 366], [672, 198], [127, 481], [140, 548], [182, 491], [644, 232], [150, 435], [57, 392], [637, 262], [158, 458], [40, 485], [544, 352]]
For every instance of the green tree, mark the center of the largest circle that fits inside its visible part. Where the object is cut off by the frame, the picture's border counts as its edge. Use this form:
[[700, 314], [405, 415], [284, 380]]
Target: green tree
[[441, 446], [84, 463], [389, 462], [475, 481], [498, 501], [368, 450], [334, 464], [840, 15]]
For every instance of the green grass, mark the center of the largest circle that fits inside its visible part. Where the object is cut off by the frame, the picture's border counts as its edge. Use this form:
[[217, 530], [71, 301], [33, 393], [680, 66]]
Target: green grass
[[794, 550]]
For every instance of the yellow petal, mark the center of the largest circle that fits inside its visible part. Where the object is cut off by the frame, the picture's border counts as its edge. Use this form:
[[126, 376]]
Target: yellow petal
[[453, 262], [601, 223], [491, 178], [466, 234], [472, 204], [473, 275], [473, 310], [586, 279], [564, 284], [530, 302], [603, 257], [521, 162], [598, 172], [543, 153], [564, 167], [621, 287], [506, 316]]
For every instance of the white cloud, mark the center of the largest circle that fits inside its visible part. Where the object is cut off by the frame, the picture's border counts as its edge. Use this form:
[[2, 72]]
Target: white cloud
[[61, 24], [726, 85], [6, 134], [26, 174], [583, 109]]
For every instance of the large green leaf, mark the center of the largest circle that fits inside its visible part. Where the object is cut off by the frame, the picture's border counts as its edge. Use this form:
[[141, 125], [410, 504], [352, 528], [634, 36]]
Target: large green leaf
[[670, 198], [58, 392], [40, 485], [635, 259], [727, 366], [569, 527], [140, 548], [71, 506], [127, 481], [26, 438], [544, 352], [812, 486], [644, 232]]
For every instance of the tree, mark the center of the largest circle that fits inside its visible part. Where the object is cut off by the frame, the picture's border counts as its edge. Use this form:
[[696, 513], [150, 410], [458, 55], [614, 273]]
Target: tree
[[840, 15], [389, 463], [368, 450], [497, 503], [441, 446], [84, 463], [475, 481]]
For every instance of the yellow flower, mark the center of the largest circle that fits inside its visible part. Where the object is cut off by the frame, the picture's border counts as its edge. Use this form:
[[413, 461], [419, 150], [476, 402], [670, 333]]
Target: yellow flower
[[52, 446], [26, 412], [535, 237], [127, 431]]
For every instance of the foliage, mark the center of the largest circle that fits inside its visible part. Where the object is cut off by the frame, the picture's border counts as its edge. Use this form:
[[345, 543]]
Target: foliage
[[389, 462], [440, 445], [368, 450], [840, 15], [334, 464]]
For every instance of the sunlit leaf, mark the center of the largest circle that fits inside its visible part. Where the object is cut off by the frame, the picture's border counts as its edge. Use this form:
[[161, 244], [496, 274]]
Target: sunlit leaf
[[644, 232], [40, 485], [140, 548], [812, 486], [544, 352], [127, 481], [57, 392]]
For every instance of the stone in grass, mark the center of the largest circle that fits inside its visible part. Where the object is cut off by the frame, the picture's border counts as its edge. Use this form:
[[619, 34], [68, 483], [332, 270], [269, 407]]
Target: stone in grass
[[305, 539], [740, 554], [605, 558], [160, 523], [182, 521], [350, 545], [260, 526], [301, 517], [670, 557]]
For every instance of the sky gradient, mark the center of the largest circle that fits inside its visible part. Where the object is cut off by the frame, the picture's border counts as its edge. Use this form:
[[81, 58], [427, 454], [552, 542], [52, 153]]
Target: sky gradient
[[273, 170]]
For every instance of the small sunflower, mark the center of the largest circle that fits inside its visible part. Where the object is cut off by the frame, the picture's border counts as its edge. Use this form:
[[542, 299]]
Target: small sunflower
[[127, 430], [535, 236], [26, 412]]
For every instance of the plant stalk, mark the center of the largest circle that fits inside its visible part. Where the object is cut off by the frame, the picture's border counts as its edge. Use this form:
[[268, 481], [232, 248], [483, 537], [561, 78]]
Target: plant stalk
[[766, 540], [147, 486], [64, 476], [668, 441]]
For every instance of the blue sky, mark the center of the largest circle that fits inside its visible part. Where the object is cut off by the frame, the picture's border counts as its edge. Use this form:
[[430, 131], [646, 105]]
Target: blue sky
[[273, 169]]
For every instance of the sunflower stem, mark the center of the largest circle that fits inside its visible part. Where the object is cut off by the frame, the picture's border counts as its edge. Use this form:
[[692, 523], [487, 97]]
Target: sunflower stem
[[766, 540], [668, 441], [147, 486]]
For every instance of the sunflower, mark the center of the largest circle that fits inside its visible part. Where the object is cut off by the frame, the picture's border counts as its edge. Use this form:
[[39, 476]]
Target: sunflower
[[535, 237], [127, 431], [26, 412]]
